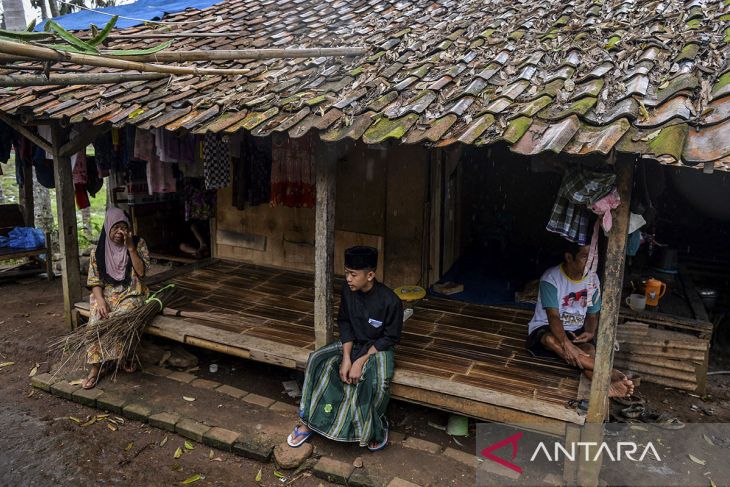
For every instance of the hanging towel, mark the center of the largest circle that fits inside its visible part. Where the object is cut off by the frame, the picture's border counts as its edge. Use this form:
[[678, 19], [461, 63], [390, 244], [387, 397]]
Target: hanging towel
[[216, 162], [580, 188]]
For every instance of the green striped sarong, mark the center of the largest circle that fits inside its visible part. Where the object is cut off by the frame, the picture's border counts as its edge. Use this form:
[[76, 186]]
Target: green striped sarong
[[346, 412]]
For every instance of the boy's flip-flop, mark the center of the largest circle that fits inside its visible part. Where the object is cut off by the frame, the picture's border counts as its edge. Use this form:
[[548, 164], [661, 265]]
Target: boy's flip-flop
[[629, 400], [294, 441], [383, 443]]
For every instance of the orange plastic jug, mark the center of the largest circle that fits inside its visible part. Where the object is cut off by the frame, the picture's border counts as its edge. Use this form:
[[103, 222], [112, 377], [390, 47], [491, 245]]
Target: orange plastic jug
[[655, 289]]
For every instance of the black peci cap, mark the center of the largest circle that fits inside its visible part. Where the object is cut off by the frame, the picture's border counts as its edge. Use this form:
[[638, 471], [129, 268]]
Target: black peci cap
[[361, 257]]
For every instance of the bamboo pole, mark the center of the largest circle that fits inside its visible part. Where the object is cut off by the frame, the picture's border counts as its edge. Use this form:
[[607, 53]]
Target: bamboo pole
[[76, 79], [240, 54], [46, 54]]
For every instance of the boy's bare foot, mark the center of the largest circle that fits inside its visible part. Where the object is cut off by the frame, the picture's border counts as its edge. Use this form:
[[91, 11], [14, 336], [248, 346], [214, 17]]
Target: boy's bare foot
[[621, 388]]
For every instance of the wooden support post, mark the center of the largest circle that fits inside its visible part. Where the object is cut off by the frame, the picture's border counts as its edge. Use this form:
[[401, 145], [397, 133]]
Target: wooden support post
[[612, 284], [324, 257], [28, 205], [67, 230]]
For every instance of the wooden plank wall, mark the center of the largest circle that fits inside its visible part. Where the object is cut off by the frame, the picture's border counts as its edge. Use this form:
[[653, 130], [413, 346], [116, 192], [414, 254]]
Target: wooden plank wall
[[380, 202]]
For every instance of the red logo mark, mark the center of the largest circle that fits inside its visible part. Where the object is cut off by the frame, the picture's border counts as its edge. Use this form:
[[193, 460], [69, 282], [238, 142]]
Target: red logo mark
[[487, 452]]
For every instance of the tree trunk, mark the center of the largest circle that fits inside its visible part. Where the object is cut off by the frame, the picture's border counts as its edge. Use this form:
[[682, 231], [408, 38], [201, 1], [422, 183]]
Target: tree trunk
[[43, 212], [54, 8]]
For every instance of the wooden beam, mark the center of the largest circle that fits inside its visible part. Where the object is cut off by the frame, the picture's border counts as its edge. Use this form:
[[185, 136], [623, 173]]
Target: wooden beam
[[82, 140], [613, 277], [29, 207], [39, 141], [75, 79], [612, 286], [324, 247], [67, 230], [47, 54]]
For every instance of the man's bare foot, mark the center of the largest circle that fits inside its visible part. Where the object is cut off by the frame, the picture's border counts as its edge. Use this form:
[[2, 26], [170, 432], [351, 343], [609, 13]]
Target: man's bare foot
[[621, 388], [93, 378]]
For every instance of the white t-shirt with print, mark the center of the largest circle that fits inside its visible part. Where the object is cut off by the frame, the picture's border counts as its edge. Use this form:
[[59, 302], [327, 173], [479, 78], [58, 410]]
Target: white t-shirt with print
[[568, 296]]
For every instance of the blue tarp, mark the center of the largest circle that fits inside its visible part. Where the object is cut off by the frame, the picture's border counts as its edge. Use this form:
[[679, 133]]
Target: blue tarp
[[141, 9]]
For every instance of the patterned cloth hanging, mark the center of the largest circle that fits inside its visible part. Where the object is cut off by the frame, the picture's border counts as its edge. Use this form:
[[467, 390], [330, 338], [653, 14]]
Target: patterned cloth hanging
[[216, 161]]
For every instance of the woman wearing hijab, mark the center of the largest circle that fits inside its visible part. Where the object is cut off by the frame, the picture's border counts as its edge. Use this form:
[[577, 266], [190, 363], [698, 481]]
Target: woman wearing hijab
[[116, 269]]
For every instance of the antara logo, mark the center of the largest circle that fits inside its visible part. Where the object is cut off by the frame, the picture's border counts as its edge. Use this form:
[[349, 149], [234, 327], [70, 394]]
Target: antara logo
[[622, 449], [512, 440], [591, 451]]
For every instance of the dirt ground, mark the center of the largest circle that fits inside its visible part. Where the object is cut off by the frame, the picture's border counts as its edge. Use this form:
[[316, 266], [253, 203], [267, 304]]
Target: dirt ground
[[40, 446]]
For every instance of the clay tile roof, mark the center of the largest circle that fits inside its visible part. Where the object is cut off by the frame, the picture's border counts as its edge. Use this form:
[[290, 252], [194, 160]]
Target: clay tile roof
[[582, 77]]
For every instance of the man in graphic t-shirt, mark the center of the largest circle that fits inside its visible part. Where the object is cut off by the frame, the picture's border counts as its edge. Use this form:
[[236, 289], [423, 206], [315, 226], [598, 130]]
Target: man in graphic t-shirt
[[566, 317]]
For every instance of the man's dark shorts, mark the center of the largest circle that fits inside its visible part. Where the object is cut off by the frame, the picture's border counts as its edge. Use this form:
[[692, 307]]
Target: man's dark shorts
[[537, 349]]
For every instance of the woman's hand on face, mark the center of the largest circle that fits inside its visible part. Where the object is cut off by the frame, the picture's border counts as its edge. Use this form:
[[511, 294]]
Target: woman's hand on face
[[103, 308], [129, 240]]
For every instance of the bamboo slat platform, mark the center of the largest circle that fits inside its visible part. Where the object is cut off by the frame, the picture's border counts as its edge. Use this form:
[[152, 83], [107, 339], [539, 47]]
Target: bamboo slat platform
[[454, 356]]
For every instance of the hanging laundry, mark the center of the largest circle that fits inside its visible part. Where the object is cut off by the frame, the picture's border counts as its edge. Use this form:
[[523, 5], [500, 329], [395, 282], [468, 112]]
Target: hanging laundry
[[160, 177], [292, 171], [126, 144], [580, 188], [44, 131], [216, 161], [167, 145], [252, 174], [104, 153], [43, 168], [6, 142]]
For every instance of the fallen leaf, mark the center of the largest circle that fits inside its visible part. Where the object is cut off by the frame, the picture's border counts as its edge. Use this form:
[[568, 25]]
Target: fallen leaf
[[707, 439], [712, 483], [119, 420], [129, 446], [75, 419], [99, 417], [278, 474], [696, 460], [192, 479], [189, 446], [76, 382], [164, 358], [188, 398], [164, 441], [112, 426], [34, 370], [178, 453], [651, 136], [211, 455], [258, 476], [177, 468], [217, 459], [32, 391], [6, 364]]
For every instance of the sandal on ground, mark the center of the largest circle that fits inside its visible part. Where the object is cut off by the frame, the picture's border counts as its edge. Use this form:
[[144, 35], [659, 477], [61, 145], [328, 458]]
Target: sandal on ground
[[380, 445], [634, 411], [90, 382], [129, 367], [662, 420], [629, 400], [297, 438]]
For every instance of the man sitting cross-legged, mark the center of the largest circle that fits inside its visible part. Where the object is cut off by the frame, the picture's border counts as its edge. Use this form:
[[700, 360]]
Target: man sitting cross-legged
[[345, 393], [566, 318]]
